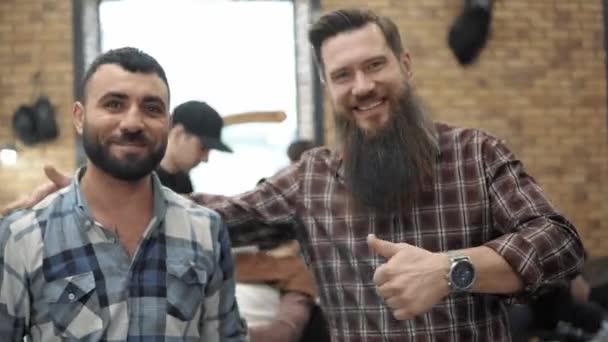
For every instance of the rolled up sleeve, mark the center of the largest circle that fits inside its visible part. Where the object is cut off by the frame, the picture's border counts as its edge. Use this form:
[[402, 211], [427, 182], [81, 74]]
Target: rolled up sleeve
[[539, 243]]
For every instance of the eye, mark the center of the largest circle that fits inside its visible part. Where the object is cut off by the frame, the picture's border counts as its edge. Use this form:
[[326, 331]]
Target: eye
[[375, 65], [340, 76], [113, 104], [154, 108]]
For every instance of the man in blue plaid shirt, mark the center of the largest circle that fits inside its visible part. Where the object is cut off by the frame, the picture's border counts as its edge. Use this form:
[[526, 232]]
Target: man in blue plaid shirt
[[115, 256]]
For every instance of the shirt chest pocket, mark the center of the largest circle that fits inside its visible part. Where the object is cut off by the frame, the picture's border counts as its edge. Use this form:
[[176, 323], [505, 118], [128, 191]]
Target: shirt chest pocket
[[73, 305], [186, 285]]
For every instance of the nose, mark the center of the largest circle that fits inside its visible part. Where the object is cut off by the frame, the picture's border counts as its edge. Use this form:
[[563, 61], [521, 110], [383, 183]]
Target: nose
[[363, 84], [132, 121]]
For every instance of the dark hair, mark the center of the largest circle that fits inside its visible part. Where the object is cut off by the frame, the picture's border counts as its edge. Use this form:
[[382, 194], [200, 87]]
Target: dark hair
[[296, 148], [130, 59], [344, 20]]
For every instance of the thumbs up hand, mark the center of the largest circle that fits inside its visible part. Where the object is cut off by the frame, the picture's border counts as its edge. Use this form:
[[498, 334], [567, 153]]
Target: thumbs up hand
[[412, 280]]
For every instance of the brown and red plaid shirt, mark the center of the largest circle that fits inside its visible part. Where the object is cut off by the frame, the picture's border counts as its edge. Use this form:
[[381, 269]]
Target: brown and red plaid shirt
[[481, 196]]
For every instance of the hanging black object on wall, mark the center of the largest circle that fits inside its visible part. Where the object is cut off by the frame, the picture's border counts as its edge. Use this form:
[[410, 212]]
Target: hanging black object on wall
[[35, 124], [469, 32]]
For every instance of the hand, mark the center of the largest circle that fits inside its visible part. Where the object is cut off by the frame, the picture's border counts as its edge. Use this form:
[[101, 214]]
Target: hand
[[57, 181], [580, 289], [412, 280]]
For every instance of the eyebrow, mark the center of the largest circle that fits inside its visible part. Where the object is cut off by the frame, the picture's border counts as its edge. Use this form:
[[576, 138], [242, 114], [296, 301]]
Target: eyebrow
[[114, 94], [337, 71], [152, 98], [123, 96], [375, 59], [366, 61]]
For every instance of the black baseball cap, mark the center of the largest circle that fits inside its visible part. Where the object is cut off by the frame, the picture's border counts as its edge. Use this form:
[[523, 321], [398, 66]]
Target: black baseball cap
[[198, 118]]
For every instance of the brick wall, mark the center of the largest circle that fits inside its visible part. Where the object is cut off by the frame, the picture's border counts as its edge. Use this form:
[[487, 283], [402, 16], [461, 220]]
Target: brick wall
[[35, 38], [540, 84]]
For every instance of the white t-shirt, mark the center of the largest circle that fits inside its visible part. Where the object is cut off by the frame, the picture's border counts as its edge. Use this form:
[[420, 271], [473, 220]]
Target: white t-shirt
[[258, 303]]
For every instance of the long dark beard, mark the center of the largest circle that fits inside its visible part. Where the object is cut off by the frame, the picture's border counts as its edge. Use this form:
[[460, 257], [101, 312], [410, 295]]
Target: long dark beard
[[386, 170]]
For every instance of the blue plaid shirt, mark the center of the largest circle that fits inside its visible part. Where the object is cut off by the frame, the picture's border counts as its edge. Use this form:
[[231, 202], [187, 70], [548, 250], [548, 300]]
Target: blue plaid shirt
[[64, 277]]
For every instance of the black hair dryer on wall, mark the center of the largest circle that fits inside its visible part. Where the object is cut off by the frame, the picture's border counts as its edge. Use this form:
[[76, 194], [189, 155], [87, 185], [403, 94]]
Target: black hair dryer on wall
[[35, 124], [470, 30]]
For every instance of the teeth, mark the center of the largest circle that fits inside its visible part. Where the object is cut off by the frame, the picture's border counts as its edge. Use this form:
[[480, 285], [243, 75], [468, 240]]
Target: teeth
[[370, 106]]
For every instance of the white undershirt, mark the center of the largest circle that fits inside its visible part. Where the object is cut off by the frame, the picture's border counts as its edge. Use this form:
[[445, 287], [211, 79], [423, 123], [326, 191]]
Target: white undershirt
[[258, 303]]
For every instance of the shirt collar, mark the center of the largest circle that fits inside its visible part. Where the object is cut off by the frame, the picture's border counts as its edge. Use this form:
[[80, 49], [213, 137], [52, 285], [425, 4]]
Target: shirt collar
[[84, 213]]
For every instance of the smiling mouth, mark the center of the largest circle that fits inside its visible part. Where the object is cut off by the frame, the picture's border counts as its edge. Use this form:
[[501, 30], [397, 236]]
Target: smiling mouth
[[369, 106]]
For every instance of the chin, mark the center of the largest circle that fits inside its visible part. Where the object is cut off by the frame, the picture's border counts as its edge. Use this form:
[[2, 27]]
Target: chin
[[369, 133], [373, 123], [371, 130]]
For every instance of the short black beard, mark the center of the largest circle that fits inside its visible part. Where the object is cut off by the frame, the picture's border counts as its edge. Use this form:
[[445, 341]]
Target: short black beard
[[386, 170], [132, 168]]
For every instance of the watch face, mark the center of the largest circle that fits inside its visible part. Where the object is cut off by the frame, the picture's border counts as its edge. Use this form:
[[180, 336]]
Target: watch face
[[463, 275]]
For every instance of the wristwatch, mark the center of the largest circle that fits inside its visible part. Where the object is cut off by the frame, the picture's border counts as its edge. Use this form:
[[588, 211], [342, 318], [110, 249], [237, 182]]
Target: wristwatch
[[461, 275]]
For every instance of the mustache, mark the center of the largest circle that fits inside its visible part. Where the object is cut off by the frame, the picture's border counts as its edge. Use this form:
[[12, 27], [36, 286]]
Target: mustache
[[367, 96], [138, 138]]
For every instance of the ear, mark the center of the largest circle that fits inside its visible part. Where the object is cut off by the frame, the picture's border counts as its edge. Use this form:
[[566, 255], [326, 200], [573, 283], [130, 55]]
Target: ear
[[78, 114], [406, 61], [177, 130]]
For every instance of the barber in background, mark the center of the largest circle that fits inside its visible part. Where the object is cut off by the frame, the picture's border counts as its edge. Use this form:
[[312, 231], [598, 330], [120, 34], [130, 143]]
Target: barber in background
[[196, 128]]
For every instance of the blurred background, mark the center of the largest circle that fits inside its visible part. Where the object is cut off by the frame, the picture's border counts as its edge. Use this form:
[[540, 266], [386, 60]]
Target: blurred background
[[539, 82]]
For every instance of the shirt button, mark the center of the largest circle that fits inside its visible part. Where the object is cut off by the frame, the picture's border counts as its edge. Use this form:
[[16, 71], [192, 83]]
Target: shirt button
[[71, 297], [88, 223], [192, 263]]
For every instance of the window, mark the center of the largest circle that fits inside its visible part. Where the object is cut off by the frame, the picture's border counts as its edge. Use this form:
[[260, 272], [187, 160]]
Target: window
[[236, 56]]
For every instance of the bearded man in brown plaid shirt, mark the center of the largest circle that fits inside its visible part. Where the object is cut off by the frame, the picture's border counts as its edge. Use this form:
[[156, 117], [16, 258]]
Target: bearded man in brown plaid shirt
[[415, 230]]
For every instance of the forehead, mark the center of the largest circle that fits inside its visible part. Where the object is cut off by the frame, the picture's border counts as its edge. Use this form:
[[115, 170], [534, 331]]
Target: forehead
[[112, 78], [353, 47]]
